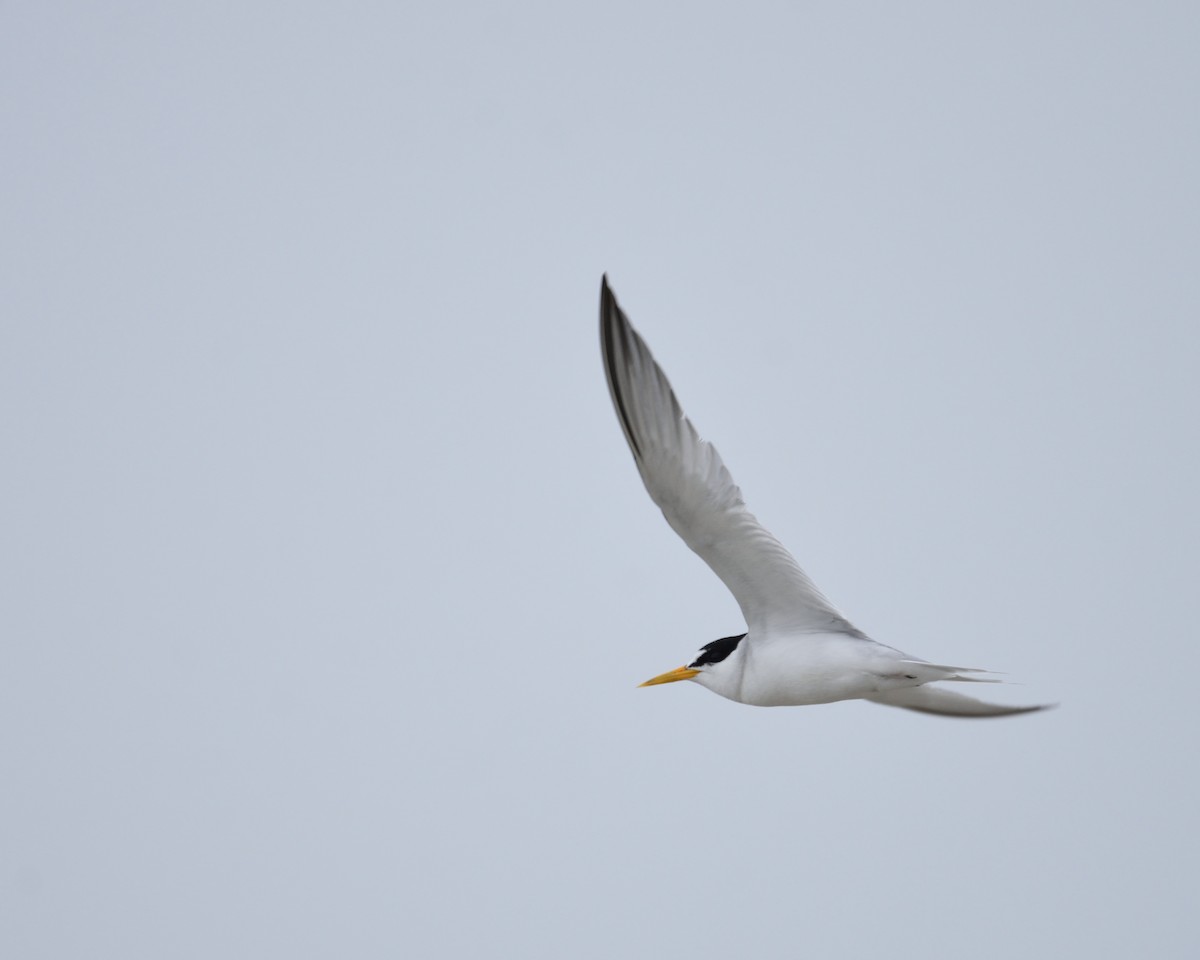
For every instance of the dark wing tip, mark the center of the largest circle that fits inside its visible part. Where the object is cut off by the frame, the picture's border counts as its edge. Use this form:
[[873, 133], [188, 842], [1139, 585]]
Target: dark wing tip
[[614, 324], [607, 300]]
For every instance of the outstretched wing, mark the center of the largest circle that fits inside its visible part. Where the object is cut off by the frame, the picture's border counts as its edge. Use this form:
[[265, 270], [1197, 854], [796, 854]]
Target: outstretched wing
[[686, 477]]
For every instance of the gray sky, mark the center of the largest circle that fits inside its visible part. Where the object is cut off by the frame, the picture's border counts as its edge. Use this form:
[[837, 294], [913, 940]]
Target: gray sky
[[328, 578]]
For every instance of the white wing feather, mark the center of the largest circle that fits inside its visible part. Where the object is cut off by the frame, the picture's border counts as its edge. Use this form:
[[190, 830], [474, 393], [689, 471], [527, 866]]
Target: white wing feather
[[946, 703], [686, 477]]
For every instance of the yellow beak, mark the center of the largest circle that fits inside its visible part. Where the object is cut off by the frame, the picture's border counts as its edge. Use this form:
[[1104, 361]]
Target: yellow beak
[[679, 673]]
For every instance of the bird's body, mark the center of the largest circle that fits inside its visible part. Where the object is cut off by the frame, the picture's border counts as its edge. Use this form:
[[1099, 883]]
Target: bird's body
[[798, 649], [792, 668], [799, 669]]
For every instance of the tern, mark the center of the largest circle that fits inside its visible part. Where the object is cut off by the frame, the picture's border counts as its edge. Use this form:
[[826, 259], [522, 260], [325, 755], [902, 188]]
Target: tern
[[797, 648]]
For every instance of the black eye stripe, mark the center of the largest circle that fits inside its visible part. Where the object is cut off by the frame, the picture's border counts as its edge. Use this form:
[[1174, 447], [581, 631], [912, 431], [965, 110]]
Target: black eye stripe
[[717, 651]]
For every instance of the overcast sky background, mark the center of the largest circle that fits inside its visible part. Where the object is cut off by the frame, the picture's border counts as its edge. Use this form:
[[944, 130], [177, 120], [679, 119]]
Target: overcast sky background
[[328, 578]]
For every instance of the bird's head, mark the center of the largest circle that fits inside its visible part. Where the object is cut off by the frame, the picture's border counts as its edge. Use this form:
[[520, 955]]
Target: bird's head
[[717, 666]]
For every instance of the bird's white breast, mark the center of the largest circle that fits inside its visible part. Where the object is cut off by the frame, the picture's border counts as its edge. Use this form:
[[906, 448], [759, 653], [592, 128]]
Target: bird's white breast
[[816, 668]]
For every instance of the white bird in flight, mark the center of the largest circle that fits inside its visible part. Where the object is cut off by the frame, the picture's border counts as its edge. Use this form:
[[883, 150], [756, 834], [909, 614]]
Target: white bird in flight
[[798, 649]]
